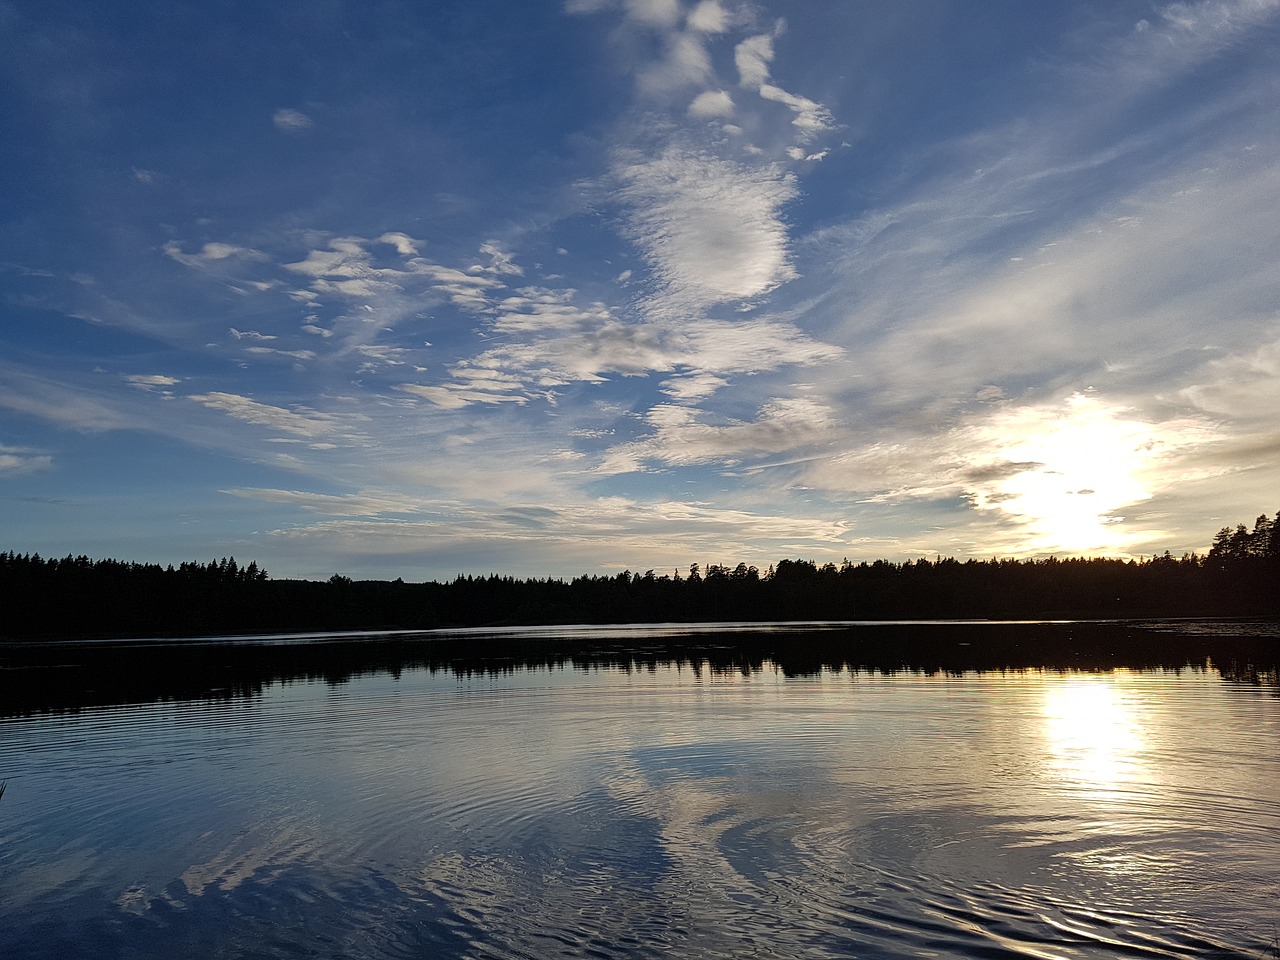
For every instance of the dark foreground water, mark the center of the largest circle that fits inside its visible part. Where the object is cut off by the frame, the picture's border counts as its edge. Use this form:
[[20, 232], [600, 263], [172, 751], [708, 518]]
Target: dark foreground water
[[622, 793]]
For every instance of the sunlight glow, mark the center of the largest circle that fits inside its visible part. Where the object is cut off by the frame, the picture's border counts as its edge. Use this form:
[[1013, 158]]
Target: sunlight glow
[[1093, 733], [1069, 470]]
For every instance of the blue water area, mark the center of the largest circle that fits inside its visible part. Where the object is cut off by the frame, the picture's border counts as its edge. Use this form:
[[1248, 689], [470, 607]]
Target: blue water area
[[615, 804]]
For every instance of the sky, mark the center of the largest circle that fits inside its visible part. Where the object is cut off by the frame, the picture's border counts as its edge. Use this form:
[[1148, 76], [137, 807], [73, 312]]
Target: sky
[[396, 289]]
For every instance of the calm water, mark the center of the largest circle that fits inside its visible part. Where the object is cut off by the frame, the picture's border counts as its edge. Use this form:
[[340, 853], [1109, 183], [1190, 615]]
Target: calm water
[[602, 808]]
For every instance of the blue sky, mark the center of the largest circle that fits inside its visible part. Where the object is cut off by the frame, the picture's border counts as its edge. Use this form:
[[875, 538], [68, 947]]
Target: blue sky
[[413, 289]]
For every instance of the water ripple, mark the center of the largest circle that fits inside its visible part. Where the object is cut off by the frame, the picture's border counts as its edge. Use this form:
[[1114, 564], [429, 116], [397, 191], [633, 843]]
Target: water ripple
[[614, 814]]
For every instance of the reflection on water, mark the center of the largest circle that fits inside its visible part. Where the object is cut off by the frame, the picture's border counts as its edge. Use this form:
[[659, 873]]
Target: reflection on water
[[1093, 729], [648, 807]]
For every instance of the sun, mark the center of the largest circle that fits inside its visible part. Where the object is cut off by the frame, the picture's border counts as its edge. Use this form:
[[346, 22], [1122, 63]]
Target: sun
[[1068, 471]]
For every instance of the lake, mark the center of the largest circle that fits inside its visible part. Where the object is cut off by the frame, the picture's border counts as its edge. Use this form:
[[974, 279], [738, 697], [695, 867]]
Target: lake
[[944, 790]]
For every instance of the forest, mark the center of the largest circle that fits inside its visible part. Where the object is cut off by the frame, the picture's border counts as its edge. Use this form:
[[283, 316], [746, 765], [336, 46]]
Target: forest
[[77, 597]]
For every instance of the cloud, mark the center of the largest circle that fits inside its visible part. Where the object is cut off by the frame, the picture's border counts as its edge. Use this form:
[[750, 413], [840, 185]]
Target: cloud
[[1244, 387], [290, 120], [350, 505], [1183, 36], [708, 16], [66, 404], [811, 117], [753, 57], [272, 351], [679, 438], [300, 420], [211, 253], [564, 343], [710, 228], [345, 257], [1061, 472], [150, 381], [1049, 250], [20, 460], [348, 269], [535, 536], [405, 245], [656, 13], [537, 309], [711, 104], [685, 63], [500, 263], [589, 6], [469, 386], [749, 346]]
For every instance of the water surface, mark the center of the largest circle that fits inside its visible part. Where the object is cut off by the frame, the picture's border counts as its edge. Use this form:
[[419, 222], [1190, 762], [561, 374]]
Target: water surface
[[626, 803]]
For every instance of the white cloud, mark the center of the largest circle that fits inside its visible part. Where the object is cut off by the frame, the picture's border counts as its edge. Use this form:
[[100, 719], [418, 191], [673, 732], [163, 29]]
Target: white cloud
[[66, 404], [748, 346], [534, 309], [405, 245], [501, 262], [346, 257], [300, 420], [685, 63], [656, 13], [811, 118], [680, 438], [1243, 387], [19, 460], [211, 253], [708, 16], [150, 381], [697, 386], [465, 391], [290, 120], [711, 104], [710, 228], [752, 58], [346, 268], [272, 351]]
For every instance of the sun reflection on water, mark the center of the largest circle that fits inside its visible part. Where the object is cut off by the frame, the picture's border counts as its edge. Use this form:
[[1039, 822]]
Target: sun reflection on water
[[1093, 732]]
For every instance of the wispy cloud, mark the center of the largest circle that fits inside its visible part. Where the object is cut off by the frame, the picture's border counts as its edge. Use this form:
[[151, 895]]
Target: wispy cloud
[[352, 505], [290, 120], [18, 460], [680, 438], [211, 253], [528, 538], [151, 381], [300, 420]]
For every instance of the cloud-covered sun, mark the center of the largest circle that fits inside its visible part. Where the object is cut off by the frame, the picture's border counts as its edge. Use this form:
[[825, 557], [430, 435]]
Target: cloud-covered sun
[[1065, 471]]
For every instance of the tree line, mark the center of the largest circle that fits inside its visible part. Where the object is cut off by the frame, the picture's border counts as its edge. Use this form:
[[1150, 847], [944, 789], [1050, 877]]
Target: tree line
[[80, 597]]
